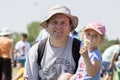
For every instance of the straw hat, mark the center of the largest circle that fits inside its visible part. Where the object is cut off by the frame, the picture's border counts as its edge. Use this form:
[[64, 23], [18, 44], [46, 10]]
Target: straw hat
[[63, 10]]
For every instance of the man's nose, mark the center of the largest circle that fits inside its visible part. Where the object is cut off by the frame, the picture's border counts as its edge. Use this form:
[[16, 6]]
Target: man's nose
[[59, 25]]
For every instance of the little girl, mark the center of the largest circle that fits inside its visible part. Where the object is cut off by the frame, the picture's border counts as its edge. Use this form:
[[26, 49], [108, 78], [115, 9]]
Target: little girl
[[90, 60]]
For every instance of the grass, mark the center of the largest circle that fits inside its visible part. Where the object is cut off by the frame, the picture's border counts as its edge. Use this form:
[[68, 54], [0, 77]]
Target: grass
[[114, 78], [15, 72]]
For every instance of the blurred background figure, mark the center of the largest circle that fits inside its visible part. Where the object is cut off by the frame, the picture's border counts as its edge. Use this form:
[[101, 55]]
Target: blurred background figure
[[20, 68], [74, 34], [118, 68], [6, 54], [109, 56], [42, 35], [21, 47]]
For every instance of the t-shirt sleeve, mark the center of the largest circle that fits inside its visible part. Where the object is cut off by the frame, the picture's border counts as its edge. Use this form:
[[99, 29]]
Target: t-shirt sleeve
[[96, 56]]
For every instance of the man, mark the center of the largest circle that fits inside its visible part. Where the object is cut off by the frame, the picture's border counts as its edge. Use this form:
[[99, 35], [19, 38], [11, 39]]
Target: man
[[109, 57], [6, 55], [22, 47], [57, 58]]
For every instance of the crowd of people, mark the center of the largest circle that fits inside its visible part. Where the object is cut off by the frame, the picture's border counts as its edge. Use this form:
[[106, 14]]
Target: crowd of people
[[11, 56], [55, 58]]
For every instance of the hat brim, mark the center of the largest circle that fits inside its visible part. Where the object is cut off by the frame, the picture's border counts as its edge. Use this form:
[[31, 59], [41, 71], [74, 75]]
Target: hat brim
[[74, 20], [2, 34], [87, 28]]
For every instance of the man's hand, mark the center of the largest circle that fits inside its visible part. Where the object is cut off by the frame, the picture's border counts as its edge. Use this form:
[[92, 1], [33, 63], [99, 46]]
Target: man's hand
[[65, 76]]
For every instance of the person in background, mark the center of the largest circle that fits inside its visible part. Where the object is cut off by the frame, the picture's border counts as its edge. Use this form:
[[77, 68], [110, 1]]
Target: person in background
[[6, 54], [20, 68], [118, 68], [74, 34], [108, 64], [22, 47], [91, 59], [57, 57], [42, 35]]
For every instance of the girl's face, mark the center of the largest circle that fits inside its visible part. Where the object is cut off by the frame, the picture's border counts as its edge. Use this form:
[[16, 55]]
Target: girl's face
[[94, 37]]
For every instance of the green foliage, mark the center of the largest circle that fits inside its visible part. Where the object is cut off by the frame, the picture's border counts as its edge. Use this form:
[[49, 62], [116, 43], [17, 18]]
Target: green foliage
[[33, 31], [107, 44], [16, 37]]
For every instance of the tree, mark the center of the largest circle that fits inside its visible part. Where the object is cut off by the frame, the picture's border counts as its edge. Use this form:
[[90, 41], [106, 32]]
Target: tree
[[33, 31], [107, 44]]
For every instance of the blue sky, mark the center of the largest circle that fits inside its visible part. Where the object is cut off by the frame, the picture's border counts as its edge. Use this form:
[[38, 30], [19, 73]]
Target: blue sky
[[17, 14]]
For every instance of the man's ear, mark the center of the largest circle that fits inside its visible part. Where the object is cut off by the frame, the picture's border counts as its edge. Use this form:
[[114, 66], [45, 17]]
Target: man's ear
[[70, 27], [46, 25]]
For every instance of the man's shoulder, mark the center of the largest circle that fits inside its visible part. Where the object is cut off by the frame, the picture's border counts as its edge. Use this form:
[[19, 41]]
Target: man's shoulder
[[5, 40], [19, 42], [33, 50], [26, 42], [113, 47], [35, 46]]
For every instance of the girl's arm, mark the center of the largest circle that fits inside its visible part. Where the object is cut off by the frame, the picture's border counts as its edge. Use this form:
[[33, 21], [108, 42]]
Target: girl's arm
[[91, 66]]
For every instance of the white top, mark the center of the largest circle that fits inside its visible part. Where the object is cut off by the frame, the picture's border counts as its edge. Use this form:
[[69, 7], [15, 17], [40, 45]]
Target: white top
[[20, 44], [107, 55], [42, 35]]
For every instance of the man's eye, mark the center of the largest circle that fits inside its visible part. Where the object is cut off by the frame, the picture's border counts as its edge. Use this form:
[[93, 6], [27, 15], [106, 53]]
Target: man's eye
[[54, 22], [63, 23]]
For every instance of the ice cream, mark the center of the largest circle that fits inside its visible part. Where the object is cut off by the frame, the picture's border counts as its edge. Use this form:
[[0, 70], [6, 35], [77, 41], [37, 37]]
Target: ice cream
[[87, 42]]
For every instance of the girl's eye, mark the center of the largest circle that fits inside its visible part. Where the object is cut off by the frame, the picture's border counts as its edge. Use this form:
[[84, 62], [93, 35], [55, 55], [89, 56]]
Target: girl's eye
[[88, 34], [95, 35], [92, 35]]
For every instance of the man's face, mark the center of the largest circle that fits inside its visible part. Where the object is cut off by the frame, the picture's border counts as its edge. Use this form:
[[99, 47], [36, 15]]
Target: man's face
[[23, 38], [59, 26]]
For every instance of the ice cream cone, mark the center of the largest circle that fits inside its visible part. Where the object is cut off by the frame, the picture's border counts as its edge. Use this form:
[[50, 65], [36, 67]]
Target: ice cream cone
[[87, 42]]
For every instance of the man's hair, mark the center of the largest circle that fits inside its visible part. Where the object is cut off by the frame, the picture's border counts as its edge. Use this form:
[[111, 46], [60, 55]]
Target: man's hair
[[24, 35]]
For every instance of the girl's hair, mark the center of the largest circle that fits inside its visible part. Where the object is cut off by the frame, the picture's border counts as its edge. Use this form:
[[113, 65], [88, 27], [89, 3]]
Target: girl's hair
[[103, 37]]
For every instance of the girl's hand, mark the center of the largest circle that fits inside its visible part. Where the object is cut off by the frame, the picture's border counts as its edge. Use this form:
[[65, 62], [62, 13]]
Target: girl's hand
[[84, 51]]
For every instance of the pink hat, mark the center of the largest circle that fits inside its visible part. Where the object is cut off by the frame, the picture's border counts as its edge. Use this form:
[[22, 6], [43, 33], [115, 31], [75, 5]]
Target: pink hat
[[97, 27]]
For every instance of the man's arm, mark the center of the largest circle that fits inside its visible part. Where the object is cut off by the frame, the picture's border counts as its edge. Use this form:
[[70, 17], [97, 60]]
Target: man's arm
[[31, 66]]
